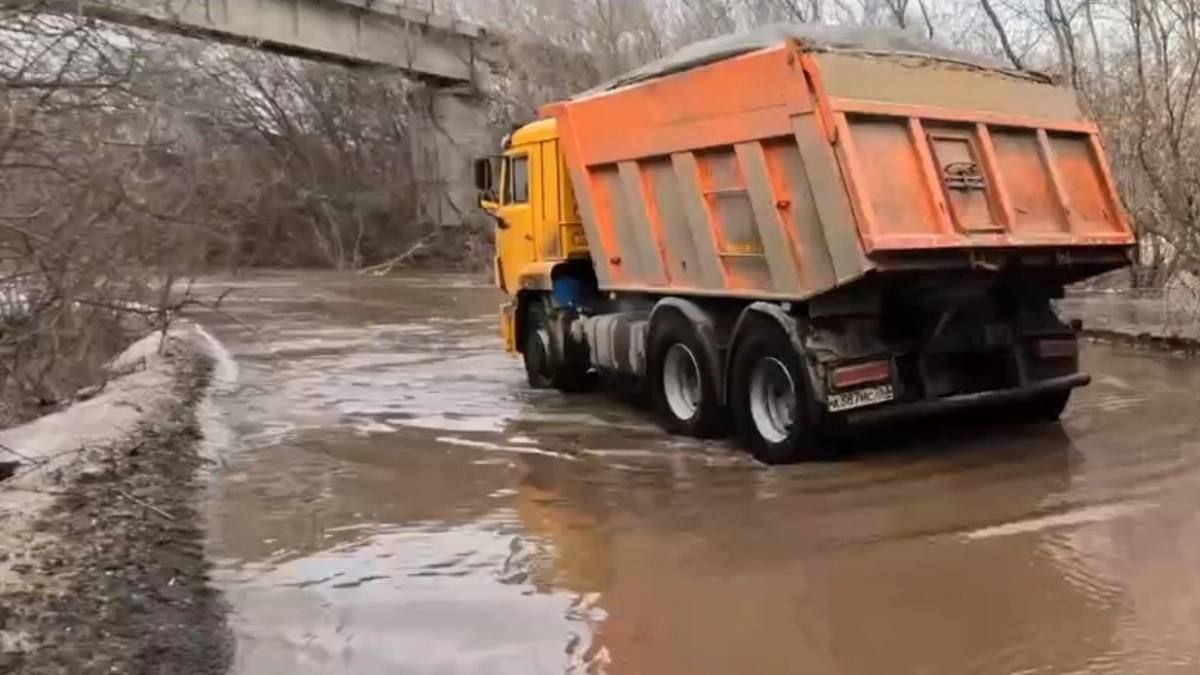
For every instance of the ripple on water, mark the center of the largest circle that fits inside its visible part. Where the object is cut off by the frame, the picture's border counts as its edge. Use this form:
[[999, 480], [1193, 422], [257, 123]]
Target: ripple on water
[[403, 503], [421, 598]]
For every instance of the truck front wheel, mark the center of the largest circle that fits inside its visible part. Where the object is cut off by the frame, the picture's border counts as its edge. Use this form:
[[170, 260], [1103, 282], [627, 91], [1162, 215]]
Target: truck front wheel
[[682, 381], [536, 354], [551, 360], [771, 401]]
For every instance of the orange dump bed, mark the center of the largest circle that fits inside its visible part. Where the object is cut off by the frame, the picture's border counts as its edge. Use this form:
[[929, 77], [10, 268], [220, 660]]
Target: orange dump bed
[[786, 171]]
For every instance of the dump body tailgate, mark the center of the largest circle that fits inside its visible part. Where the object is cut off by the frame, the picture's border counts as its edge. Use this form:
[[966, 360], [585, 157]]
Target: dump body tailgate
[[784, 173]]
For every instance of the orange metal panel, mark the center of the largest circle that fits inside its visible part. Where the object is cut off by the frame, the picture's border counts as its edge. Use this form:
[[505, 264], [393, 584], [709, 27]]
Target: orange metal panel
[[963, 183], [778, 243], [642, 215], [995, 180], [699, 219], [1056, 183], [611, 255], [723, 104], [581, 193], [798, 214], [830, 228], [1027, 193], [847, 105], [746, 177], [1036, 210], [852, 173], [823, 107], [1120, 220], [657, 141], [682, 255], [929, 172], [1083, 183]]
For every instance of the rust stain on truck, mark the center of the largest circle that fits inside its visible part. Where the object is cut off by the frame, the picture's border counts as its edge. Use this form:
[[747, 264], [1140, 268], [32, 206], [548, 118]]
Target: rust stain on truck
[[896, 215]]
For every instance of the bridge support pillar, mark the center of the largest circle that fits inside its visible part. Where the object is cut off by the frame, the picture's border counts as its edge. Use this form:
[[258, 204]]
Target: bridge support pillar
[[450, 130]]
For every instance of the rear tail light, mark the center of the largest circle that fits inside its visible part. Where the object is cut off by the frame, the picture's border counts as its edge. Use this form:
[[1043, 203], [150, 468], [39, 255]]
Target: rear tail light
[[872, 372], [1056, 349]]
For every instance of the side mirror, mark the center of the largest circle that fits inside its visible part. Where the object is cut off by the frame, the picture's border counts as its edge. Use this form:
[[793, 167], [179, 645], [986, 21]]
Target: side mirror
[[486, 171]]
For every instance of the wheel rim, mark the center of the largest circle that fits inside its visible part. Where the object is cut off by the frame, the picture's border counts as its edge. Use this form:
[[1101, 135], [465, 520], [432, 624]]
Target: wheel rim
[[772, 400], [681, 382]]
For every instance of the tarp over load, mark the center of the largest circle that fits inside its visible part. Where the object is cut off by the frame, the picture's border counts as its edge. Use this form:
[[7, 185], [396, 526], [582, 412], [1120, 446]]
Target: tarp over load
[[812, 37]]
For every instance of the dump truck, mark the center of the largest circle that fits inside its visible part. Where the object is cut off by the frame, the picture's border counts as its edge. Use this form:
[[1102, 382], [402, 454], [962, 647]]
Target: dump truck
[[804, 230]]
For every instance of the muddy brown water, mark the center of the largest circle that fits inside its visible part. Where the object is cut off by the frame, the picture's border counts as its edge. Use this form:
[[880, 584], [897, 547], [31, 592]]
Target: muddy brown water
[[393, 499]]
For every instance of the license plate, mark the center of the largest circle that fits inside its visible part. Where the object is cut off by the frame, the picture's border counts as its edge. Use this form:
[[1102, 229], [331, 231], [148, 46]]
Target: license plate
[[861, 398]]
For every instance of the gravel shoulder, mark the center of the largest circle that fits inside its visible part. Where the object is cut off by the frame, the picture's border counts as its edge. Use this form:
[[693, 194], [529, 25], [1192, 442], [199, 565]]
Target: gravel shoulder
[[102, 560]]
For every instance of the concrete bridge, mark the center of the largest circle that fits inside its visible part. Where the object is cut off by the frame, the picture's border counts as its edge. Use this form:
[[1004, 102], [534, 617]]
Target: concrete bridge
[[444, 54]]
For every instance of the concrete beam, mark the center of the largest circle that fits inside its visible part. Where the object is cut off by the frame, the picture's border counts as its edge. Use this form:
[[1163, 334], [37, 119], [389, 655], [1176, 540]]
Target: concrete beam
[[433, 48], [451, 128]]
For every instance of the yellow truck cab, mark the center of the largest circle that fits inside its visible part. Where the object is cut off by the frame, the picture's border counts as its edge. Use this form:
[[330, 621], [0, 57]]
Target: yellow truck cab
[[528, 192], [537, 219], [808, 228]]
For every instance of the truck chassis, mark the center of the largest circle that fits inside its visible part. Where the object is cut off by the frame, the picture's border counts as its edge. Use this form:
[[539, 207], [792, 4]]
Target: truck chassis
[[790, 378]]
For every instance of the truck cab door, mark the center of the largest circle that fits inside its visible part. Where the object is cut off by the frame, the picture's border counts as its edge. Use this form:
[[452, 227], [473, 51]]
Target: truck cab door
[[515, 241]]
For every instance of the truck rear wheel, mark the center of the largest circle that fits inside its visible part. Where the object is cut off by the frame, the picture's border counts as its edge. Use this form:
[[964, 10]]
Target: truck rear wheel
[[772, 403], [683, 383]]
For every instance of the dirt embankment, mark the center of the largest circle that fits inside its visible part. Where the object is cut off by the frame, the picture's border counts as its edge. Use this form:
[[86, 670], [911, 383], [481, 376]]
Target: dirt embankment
[[102, 564]]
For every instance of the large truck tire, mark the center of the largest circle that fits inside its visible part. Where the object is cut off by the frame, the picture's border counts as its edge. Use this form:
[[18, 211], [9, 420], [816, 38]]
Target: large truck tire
[[683, 384], [550, 361], [536, 354], [772, 403]]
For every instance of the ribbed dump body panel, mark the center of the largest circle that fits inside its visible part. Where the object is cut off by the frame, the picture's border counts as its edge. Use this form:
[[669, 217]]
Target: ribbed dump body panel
[[758, 176]]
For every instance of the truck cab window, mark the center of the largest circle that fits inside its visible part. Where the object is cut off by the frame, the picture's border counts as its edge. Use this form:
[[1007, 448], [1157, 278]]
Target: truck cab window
[[516, 187]]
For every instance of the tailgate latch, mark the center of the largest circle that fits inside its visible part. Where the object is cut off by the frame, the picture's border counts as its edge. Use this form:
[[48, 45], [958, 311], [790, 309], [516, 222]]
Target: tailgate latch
[[963, 176]]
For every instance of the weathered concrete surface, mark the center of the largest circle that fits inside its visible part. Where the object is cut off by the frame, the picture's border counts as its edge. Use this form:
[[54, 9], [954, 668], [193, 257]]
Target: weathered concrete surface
[[101, 557], [452, 129], [362, 32], [448, 55]]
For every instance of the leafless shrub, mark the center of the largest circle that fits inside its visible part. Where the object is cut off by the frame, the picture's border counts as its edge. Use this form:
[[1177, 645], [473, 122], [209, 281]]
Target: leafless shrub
[[130, 160], [86, 231], [310, 164]]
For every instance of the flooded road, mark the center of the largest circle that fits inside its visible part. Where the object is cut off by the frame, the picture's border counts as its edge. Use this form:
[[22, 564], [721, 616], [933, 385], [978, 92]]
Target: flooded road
[[392, 499]]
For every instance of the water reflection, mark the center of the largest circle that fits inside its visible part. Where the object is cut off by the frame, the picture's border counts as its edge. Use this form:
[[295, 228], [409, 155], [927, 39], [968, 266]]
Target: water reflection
[[751, 570], [397, 501]]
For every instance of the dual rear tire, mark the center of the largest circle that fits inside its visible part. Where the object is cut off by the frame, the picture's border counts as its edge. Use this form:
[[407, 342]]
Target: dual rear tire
[[769, 403]]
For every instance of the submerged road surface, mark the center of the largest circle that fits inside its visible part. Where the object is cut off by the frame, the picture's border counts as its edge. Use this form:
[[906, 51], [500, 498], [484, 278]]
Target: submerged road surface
[[393, 499]]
